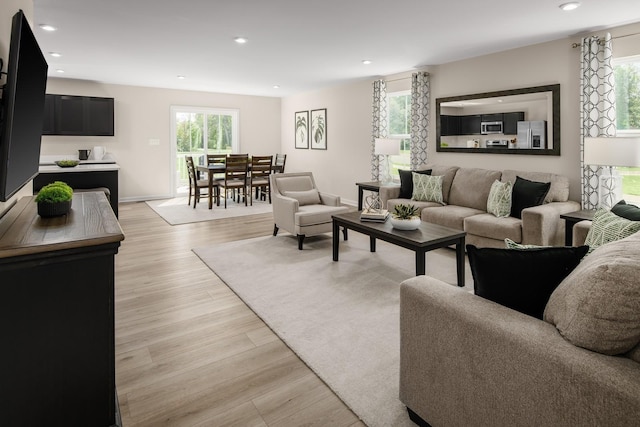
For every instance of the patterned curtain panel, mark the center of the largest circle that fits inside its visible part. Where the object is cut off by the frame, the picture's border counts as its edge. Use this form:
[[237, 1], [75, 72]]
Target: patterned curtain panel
[[379, 123], [419, 118], [597, 107]]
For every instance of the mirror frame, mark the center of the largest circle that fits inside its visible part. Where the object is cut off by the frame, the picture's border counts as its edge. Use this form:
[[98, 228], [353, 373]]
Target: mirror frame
[[555, 91]]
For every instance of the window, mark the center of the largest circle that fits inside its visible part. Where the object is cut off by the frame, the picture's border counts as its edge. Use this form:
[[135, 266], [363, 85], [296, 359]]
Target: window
[[627, 89], [399, 127], [191, 127]]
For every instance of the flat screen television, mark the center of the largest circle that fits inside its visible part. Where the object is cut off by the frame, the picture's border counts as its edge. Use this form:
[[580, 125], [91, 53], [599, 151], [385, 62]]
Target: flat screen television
[[22, 109]]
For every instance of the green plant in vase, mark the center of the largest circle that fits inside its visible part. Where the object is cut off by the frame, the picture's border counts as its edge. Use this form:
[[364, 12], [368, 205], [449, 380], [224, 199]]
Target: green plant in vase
[[404, 217], [403, 211], [54, 199]]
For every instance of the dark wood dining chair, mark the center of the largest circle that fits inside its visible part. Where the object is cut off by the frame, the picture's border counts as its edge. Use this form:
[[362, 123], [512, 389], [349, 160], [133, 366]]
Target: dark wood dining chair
[[260, 171], [197, 185], [235, 177], [279, 162]]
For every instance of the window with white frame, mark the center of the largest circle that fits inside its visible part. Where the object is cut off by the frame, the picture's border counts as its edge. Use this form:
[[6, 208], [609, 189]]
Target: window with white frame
[[627, 89], [399, 127]]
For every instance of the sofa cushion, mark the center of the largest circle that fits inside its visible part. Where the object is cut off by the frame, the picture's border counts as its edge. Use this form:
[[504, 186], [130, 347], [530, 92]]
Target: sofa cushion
[[471, 187], [293, 183], [499, 200], [450, 215], [597, 306], [521, 279], [492, 227], [608, 227], [427, 188], [526, 194], [559, 190], [316, 214], [306, 197], [627, 211], [406, 182], [447, 173]]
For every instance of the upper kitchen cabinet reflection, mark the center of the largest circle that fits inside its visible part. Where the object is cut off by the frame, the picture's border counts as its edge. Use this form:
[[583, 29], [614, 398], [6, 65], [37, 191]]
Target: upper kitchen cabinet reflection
[[517, 121]]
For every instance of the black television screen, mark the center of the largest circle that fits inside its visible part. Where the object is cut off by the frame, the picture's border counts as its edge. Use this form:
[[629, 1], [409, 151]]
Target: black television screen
[[22, 109]]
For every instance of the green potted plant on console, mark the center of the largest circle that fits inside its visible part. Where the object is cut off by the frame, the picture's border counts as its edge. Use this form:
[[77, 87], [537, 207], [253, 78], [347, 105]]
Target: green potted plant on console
[[54, 199]]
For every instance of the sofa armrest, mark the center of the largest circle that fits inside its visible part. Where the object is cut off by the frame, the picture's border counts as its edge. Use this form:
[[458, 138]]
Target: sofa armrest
[[580, 231], [542, 225], [465, 360], [329, 199], [284, 209], [387, 192]]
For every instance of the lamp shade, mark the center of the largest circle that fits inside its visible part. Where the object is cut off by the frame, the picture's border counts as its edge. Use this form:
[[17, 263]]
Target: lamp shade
[[612, 151], [387, 146]]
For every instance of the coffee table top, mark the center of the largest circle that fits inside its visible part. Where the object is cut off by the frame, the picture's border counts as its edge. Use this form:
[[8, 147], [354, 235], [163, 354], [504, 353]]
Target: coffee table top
[[426, 233]]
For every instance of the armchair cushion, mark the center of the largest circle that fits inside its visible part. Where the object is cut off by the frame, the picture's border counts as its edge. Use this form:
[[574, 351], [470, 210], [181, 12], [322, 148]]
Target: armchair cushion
[[305, 197], [521, 279], [597, 306]]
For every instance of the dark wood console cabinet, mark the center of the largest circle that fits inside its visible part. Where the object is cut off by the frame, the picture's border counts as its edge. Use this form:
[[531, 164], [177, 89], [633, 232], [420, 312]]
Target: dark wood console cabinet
[[57, 315]]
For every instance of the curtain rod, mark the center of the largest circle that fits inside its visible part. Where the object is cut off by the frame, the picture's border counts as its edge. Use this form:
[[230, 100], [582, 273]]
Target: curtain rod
[[574, 45]]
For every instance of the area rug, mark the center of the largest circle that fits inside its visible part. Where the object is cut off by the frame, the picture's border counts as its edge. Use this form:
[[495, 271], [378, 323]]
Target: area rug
[[341, 318], [176, 211]]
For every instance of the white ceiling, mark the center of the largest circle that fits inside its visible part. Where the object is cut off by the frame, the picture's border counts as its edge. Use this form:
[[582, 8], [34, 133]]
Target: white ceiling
[[300, 45]]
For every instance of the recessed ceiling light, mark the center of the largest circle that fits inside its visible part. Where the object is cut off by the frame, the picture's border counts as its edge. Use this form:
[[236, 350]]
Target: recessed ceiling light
[[240, 40], [47, 27], [276, 86], [59, 71], [181, 77], [55, 54], [569, 6], [366, 61]]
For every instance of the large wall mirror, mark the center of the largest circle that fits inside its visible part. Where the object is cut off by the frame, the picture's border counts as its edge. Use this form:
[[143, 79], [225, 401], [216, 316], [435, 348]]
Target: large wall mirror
[[517, 121]]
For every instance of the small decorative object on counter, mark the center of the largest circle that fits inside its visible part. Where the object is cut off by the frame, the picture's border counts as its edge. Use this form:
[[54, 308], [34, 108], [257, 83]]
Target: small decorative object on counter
[[54, 199], [404, 217], [67, 163]]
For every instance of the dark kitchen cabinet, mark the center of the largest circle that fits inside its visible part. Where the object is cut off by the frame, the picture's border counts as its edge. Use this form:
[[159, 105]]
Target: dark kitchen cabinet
[[510, 125], [449, 125], [470, 125], [496, 117], [78, 115]]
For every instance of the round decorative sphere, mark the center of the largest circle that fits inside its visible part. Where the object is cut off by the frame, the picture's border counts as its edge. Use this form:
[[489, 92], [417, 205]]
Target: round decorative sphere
[[405, 224]]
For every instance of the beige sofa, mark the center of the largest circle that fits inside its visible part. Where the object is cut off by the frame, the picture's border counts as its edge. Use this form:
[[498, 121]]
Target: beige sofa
[[467, 361], [465, 192]]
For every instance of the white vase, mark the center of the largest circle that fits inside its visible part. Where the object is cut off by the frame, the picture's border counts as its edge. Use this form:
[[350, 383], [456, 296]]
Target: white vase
[[405, 224]]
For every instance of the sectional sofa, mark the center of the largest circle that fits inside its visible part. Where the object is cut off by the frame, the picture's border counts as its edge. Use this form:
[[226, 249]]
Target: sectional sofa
[[465, 192]]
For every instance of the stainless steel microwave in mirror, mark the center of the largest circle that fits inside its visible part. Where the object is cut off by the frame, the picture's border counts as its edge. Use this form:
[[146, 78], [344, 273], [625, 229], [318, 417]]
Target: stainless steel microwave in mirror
[[463, 119]]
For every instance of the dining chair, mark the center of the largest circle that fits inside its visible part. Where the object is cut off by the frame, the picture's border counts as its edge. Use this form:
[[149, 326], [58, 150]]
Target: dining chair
[[235, 177], [260, 171], [196, 185], [279, 162], [217, 159]]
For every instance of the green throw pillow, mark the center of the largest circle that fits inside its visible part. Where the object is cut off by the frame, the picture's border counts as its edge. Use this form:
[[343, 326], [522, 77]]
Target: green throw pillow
[[499, 201], [427, 188], [608, 227], [513, 245]]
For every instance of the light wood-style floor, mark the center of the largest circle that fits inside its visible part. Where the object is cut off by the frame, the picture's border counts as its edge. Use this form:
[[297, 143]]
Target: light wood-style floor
[[189, 352]]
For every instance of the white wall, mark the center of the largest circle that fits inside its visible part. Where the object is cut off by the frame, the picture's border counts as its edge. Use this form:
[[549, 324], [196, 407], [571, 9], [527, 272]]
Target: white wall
[[144, 113], [349, 109], [8, 9]]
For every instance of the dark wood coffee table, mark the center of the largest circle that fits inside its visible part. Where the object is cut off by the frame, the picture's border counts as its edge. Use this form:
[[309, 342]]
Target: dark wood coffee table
[[426, 238]]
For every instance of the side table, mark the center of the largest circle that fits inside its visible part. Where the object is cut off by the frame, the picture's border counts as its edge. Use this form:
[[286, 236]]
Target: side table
[[571, 219], [369, 186]]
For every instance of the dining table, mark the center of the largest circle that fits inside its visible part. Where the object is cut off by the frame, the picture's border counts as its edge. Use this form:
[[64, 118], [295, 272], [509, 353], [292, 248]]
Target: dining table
[[214, 168]]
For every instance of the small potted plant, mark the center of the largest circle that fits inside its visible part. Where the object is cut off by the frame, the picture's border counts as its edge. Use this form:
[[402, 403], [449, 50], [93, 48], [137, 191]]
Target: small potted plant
[[404, 217], [54, 199]]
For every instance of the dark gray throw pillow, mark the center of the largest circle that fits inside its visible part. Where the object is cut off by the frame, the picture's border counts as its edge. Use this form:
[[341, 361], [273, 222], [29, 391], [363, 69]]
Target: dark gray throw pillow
[[522, 280], [625, 210], [406, 182], [526, 194]]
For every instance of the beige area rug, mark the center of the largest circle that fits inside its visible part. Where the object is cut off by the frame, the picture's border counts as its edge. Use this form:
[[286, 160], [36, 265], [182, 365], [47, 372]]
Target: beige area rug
[[176, 211], [341, 318]]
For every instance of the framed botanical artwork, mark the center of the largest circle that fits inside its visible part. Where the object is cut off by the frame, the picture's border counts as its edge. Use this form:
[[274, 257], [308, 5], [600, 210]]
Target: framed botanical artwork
[[302, 129], [319, 129]]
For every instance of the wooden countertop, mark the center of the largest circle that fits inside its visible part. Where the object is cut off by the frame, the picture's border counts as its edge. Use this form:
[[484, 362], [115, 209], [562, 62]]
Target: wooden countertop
[[90, 222]]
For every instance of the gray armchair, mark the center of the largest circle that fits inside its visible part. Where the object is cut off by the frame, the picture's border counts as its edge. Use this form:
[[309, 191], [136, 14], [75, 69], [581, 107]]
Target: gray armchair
[[298, 206]]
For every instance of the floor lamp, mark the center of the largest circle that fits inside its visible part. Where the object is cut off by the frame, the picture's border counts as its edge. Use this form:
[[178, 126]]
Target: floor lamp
[[610, 152], [387, 147]]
